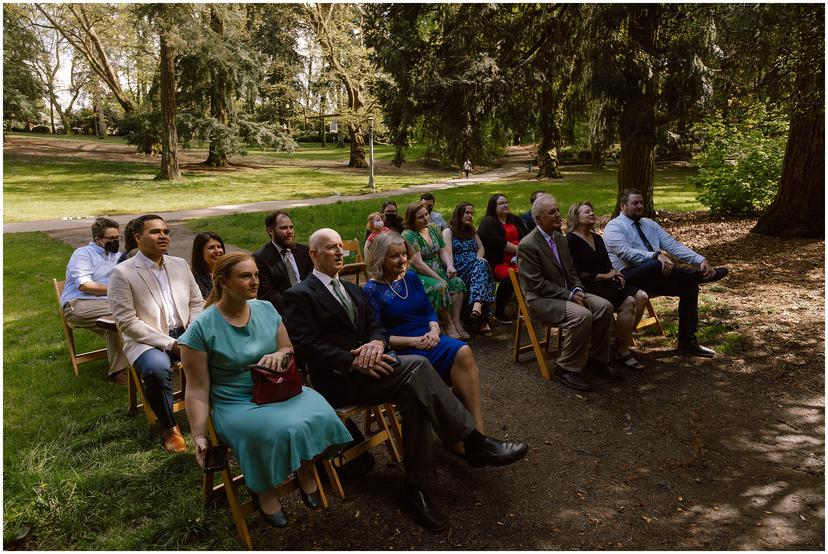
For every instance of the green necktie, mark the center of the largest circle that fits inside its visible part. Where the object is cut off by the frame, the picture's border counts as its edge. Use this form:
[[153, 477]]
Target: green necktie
[[344, 300]]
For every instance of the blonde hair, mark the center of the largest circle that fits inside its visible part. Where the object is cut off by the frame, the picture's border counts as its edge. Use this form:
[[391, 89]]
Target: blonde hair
[[371, 217], [572, 216], [222, 270], [375, 257]]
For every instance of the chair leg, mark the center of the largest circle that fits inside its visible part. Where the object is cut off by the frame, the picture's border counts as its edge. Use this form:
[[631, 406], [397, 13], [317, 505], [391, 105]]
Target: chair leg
[[518, 333], [389, 442], [396, 428], [236, 509], [333, 477], [139, 388], [539, 354], [323, 497]]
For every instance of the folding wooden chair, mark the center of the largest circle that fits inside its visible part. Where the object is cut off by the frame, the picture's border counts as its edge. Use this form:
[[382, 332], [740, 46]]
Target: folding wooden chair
[[524, 319], [357, 267], [650, 319], [135, 385], [389, 431], [74, 357], [229, 484]]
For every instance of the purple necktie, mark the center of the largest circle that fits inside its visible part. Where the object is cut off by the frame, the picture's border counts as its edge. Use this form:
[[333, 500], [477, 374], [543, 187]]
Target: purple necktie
[[558, 257]]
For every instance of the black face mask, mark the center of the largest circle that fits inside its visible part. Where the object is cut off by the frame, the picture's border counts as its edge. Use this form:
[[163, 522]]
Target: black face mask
[[112, 246], [391, 219]]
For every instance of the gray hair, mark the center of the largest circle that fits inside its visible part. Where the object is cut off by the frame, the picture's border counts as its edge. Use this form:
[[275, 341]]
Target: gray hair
[[375, 254], [318, 236], [540, 202]]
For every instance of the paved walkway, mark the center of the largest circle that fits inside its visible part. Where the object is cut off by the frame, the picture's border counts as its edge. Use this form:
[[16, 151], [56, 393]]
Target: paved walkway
[[511, 169]]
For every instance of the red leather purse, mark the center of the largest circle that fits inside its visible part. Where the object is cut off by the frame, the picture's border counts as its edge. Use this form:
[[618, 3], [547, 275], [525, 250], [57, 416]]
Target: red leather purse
[[271, 386]]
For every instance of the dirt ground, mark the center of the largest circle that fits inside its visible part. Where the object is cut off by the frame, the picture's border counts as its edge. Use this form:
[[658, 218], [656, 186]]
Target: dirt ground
[[725, 453]]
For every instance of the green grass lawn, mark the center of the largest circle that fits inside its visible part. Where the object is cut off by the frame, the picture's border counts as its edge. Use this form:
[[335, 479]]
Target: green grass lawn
[[599, 186], [38, 188]]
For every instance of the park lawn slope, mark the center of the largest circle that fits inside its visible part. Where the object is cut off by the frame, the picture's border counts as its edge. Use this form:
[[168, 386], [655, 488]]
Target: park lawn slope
[[79, 474], [39, 187]]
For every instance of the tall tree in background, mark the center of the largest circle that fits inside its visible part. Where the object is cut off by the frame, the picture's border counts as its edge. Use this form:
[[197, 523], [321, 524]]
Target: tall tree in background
[[338, 30], [21, 90]]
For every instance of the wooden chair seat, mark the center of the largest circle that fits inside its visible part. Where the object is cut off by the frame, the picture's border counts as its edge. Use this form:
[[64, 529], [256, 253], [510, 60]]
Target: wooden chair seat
[[229, 485], [357, 267], [135, 384], [389, 433], [524, 320], [75, 357]]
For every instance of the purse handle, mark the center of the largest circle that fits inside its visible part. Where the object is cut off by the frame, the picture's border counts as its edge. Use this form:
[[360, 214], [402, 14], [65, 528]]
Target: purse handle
[[283, 366]]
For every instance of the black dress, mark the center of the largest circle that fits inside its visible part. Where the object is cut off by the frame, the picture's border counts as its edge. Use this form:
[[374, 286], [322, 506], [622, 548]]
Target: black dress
[[205, 284], [590, 263]]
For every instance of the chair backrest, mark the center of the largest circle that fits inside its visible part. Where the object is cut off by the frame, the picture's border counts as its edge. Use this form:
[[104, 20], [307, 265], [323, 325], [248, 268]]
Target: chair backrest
[[59, 286], [352, 246], [518, 293]]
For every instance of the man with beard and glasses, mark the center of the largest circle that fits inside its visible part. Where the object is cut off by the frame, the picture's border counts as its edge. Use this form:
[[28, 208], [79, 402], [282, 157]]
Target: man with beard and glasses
[[154, 298], [84, 296], [282, 262], [643, 251]]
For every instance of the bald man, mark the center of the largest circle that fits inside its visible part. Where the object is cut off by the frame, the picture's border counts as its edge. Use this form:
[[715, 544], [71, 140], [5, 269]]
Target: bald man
[[333, 330]]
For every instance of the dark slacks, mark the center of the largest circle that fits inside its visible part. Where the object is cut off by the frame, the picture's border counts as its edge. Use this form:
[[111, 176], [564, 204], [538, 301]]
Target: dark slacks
[[425, 403], [683, 283]]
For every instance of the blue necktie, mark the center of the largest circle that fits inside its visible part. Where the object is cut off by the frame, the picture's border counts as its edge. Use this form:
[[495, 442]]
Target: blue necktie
[[637, 225]]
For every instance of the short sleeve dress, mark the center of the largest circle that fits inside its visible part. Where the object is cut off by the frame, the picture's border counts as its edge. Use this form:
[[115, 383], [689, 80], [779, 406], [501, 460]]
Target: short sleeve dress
[[438, 294], [406, 312], [270, 440]]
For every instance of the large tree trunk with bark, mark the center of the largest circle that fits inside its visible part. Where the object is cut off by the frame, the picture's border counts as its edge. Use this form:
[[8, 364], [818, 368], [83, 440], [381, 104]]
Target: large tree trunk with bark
[[357, 158], [638, 141], [169, 134], [550, 127], [799, 207], [218, 100]]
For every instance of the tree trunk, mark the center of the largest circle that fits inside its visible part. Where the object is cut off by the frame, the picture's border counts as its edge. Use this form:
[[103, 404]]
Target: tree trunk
[[169, 135], [218, 99], [52, 116], [799, 207], [550, 127], [357, 147], [638, 141], [597, 133], [97, 108]]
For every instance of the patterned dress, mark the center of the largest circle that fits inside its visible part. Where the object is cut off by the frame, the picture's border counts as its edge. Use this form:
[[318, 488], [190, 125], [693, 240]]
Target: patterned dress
[[438, 294], [475, 272]]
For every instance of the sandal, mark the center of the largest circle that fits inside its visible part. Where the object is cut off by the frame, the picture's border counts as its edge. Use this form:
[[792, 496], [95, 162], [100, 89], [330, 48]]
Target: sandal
[[476, 315], [630, 362]]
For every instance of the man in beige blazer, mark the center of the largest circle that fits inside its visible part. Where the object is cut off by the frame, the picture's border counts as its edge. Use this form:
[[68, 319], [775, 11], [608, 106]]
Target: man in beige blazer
[[154, 297], [554, 296]]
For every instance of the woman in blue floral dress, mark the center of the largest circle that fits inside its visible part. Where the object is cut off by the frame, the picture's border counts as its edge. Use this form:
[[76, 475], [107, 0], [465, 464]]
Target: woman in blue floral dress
[[469, 259], [432, 263]]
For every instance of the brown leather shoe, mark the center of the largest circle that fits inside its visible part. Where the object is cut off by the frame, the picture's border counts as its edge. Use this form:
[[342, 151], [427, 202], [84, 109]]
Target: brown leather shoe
[[119, 378], [173, 440]]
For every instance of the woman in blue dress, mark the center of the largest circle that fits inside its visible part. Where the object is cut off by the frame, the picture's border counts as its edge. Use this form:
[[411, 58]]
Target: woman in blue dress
[[271, 441], [469, 256], [398, 299]]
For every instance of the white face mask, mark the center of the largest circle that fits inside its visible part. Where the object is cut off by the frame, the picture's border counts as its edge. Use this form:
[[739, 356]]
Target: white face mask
[[378, 223]]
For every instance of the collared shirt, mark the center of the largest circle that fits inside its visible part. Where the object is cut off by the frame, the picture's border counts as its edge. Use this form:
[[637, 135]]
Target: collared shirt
[[327, 280], [160, 273], [626, 249], [549, 240], [292, 259], [88, 263], [437, 219]]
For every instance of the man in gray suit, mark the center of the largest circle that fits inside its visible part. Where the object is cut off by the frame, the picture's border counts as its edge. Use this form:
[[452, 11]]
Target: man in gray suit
[[154, 297], [554, 296]]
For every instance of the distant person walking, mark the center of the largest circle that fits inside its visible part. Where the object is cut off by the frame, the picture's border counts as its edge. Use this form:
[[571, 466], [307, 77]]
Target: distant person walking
[[467, 167]]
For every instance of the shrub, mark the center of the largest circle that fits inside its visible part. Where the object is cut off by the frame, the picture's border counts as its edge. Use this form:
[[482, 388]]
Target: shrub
[[740, 164]]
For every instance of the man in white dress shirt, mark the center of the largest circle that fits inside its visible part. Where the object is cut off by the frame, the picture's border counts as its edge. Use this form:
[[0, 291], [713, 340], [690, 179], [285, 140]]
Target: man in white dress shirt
[[641, 249], [154, 297]]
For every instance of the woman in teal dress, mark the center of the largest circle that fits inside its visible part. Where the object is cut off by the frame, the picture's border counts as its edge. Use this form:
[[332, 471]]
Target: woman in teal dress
[[432, 263], [271, 441]]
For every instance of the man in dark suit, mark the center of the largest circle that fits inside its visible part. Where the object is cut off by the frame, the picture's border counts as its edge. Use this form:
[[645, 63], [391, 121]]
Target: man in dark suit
[[528, 220], [282, 262], [554, 296], [346, 350]]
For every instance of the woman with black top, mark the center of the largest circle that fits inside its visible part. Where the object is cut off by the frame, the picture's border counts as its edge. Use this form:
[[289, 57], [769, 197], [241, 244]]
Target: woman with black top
[[599, 278], [500, 232], [207, 248]]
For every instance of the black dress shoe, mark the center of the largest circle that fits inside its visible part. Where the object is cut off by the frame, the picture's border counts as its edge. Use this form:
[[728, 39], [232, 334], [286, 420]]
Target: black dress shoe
[[497, 453], [607, 370], [425, 512], [718, 273], [279, 519], [312, 500], [573, 380], [693, 348]]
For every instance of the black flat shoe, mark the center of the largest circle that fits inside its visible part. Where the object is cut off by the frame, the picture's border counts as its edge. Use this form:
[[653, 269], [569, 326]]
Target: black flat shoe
[[425, 512], [693, 348], [279, 519], [312, 500], [718, 274], [497, 453]]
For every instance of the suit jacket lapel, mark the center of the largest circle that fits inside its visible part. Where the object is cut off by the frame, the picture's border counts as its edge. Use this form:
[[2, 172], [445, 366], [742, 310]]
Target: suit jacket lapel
[[175, 277], [546, 247], [150, 281], [276, 264], [326, 298]]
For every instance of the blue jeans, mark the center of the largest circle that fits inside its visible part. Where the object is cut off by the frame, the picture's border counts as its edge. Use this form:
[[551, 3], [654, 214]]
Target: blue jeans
[[155, 368]]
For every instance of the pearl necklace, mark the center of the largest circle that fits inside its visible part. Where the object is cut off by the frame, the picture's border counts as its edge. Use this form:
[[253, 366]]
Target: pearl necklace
[[398, 295]]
